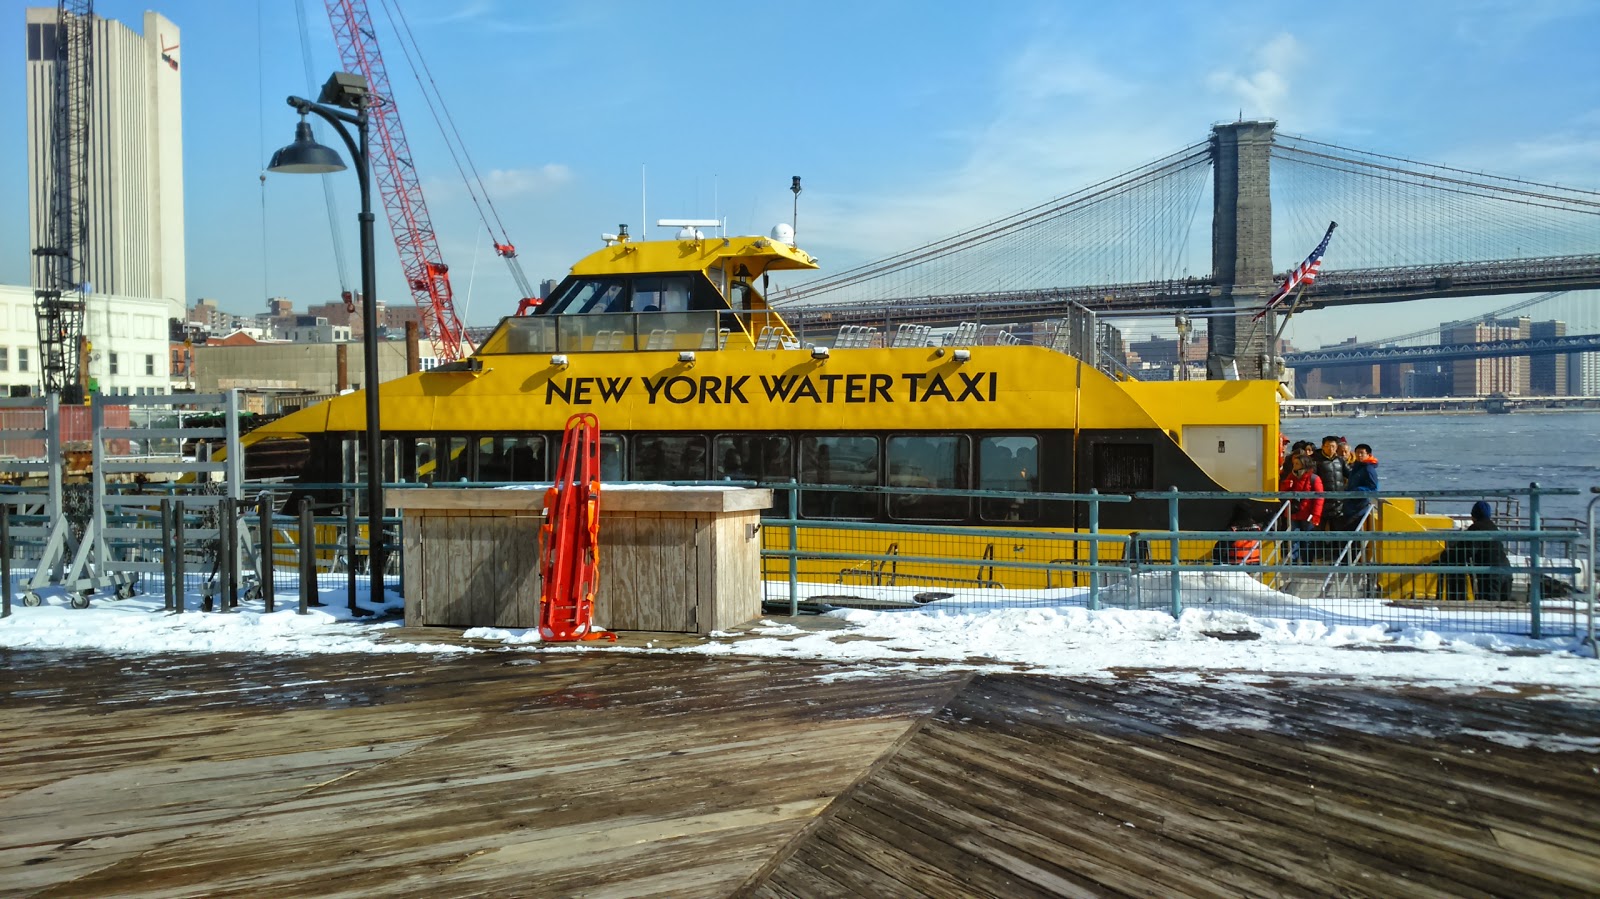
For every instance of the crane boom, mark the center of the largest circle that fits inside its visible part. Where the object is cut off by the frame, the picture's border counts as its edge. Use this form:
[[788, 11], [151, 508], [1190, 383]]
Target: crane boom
[[59, 297], [510, 253], [427, 276]]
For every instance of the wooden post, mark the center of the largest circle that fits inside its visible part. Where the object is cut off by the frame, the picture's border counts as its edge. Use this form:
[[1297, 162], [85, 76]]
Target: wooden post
[[178, 572], [166, 555], [225, 555], [350, 551], [5, 560], [308, 556], [413, 349], [265, 551]]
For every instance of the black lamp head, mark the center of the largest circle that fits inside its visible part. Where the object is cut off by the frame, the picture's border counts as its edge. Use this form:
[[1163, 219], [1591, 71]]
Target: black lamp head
[[305, 156]]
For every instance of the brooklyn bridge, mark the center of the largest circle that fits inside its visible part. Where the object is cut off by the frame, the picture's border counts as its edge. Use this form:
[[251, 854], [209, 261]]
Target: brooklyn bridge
[[1125, 248]]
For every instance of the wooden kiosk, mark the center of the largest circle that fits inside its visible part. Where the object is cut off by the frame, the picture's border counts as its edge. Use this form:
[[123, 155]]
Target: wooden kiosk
[[674, 559]]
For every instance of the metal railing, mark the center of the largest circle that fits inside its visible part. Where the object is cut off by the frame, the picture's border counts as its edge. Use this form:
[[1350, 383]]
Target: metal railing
[[1361, 575], [1376, 572]]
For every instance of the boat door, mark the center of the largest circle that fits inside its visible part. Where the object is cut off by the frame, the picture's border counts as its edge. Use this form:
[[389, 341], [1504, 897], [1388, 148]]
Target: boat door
[[1230, 454]]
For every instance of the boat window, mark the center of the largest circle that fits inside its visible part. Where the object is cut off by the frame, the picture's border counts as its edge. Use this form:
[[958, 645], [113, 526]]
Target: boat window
[[449, 455], [850, 461], [586, 295], [355, 461], [658, 457], [510, 459], [528, 457], [1122, 468], [611, 452], [934, 463], [1009, 463], [662, 294], [751, 457], [529, 334]]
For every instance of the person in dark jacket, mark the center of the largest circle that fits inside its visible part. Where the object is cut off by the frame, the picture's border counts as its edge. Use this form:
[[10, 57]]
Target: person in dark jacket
[[1363, 477], [1491, 584], [1335, 474]]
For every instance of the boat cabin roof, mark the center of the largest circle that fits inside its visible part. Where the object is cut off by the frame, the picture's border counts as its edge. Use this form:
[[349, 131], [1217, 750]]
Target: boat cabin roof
[[757, 255], [688, 293]]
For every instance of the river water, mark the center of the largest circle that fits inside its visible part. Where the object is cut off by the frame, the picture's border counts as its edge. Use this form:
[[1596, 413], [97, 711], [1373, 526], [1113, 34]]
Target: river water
[[1473, 451]]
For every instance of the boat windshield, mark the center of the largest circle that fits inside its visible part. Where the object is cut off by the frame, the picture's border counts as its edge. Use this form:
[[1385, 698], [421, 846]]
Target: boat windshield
[[642, 293]]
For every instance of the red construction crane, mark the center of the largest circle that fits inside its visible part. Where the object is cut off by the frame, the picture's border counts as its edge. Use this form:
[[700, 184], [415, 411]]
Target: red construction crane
[[426, 274]]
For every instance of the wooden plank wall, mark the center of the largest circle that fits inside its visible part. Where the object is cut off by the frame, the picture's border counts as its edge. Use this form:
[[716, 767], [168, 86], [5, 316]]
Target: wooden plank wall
[[472, 568], [649, 572], [735, 578], [669, 572]]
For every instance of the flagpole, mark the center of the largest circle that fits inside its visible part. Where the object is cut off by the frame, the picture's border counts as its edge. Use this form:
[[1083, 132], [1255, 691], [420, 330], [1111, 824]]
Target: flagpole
[[1290, 314]]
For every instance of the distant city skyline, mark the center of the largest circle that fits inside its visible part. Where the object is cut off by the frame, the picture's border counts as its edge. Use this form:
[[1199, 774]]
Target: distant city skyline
[[907, 122]]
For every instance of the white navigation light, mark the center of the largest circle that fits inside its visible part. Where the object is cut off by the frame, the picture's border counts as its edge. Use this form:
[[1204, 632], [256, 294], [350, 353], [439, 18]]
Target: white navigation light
[[783, 232]]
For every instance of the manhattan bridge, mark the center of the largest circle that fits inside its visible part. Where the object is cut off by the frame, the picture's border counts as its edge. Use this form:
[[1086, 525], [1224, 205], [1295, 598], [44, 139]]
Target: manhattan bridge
[[1123, 248]]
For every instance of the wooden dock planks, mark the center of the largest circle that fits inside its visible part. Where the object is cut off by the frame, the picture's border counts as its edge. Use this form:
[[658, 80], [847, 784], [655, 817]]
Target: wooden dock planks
[[1039, 786], [492, 774], [618, 774]]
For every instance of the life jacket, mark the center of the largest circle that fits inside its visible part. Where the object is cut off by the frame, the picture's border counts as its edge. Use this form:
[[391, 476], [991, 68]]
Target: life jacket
[[1246, 551]]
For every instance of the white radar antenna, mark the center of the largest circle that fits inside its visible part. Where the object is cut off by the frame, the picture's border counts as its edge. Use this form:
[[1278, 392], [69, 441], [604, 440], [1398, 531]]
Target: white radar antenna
[[689, 229]]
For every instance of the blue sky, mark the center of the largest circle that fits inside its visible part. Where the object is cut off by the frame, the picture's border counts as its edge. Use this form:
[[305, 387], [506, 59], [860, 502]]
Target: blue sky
[[908, 121]]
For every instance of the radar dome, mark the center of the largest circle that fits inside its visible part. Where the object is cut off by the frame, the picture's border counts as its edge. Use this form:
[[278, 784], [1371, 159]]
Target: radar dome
[[783, 233]]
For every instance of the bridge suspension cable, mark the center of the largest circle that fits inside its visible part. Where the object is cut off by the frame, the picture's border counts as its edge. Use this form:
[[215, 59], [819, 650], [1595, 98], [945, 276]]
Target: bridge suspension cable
[[1117, 229], [1409, 230], [1398, 211]]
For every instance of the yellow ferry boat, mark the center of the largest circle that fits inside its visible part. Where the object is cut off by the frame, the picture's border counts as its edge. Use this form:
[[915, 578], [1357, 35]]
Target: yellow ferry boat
[[693, 377]]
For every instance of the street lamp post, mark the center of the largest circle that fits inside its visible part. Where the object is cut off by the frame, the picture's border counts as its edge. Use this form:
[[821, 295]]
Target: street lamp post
[[342, 93]]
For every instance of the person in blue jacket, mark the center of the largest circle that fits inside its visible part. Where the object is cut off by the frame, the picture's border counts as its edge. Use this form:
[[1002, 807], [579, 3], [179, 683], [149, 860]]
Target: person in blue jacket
[[1363, 477]]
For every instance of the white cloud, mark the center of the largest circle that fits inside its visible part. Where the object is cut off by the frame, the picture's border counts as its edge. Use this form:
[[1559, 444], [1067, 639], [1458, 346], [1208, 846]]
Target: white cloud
[[501, 184], [1057, 123], [1265, 91], [510, 182], [1040, 74]]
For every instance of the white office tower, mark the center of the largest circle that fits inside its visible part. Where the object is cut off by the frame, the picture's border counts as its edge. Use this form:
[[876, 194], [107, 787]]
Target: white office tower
[[135, 156]]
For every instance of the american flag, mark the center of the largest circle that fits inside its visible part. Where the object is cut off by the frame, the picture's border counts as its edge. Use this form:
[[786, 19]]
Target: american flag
[[1304, 273]]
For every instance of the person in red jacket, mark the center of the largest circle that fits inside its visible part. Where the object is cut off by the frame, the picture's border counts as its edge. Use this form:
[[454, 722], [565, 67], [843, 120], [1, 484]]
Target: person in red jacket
[[1305, 514]]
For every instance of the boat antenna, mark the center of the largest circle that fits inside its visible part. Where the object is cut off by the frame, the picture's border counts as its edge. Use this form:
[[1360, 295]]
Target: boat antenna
[[644, 221], [794, 218]]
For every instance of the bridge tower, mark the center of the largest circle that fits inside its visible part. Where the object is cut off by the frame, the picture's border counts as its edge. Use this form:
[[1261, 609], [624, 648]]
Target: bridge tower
[[1241, 247]]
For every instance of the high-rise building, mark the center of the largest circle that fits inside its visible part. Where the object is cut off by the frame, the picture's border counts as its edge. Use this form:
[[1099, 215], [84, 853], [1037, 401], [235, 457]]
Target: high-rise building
[[1547, 374], [1482, 377], [1585, 374], [135, 155]]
